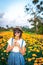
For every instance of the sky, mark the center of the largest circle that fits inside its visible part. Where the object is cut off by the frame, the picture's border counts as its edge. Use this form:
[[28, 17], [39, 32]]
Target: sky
[[12, 13]]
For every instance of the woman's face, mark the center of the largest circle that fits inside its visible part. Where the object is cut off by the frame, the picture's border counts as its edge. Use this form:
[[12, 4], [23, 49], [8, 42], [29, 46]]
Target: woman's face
[[17, 33]]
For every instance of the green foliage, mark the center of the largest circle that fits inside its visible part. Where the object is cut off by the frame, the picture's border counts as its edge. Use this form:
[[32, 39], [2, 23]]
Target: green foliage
[[3, 56], [35, 1], [40, 29], [37, 18]]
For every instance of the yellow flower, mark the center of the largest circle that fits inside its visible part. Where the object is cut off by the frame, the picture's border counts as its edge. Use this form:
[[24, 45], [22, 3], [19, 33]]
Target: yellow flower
[[2, 58], [36, 64], [29, 59], [34, 55], [37, 50], [4, 50], [33, 58]]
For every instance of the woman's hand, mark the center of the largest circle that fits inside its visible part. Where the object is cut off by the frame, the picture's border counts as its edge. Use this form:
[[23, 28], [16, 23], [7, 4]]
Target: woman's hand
[[22, 50], [9, 48], [16, 43]]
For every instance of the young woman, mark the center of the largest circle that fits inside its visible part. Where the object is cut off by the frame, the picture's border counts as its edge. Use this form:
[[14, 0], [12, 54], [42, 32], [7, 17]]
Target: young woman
[[16, 47]]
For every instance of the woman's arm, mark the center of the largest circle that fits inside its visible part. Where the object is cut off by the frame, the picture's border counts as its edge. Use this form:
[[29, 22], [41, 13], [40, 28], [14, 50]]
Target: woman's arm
[[22, 50], [9, 48]]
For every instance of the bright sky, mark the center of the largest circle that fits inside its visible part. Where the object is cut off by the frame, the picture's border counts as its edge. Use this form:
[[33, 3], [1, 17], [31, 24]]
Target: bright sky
[[12, 13]]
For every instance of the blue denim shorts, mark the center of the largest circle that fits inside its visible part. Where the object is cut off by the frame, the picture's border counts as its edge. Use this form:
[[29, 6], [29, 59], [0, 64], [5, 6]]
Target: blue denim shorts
[[16, 58]]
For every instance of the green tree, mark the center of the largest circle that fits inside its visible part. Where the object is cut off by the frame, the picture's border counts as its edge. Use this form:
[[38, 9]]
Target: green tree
[[36, 21], [7, 26]]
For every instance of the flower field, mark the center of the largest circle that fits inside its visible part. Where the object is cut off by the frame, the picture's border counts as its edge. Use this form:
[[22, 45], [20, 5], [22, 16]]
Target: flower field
[[34, 48]]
